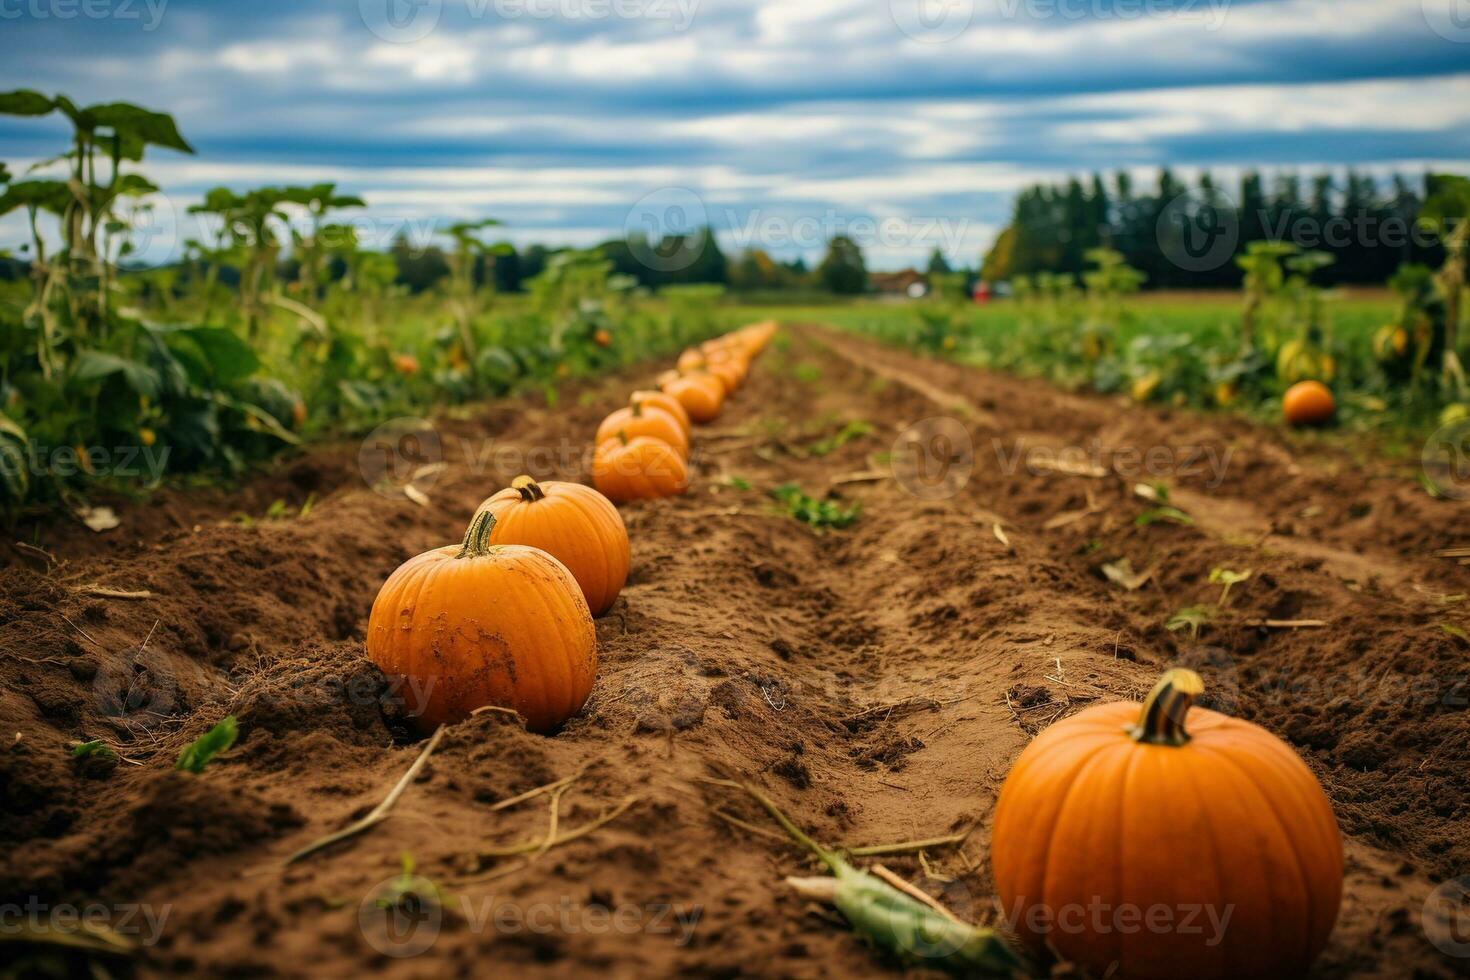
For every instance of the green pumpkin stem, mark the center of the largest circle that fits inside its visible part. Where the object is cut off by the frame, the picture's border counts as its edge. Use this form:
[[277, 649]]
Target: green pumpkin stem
[[477, 537], [623, 436], [1161, 722], [528, 488], [637, 409]]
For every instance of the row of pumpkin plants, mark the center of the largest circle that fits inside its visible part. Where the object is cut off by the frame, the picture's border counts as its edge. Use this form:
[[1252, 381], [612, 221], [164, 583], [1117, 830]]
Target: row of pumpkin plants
[[1123, 841]]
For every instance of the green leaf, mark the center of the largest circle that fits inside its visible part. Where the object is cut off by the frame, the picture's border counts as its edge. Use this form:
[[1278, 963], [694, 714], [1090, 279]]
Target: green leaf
[[95, 365], [1191, 617], [45, 195], [25, 102], [126, 119], [96, 747], [15, 474], [201, 752], [1172, 514], [230, 358]]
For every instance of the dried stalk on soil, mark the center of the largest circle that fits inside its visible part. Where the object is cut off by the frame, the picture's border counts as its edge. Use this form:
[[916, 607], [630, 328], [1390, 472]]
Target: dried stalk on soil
[[379, 813], [528, 847], [890, 916]]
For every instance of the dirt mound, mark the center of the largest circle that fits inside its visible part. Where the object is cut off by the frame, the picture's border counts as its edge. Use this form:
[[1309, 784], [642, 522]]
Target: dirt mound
[[877, 681]]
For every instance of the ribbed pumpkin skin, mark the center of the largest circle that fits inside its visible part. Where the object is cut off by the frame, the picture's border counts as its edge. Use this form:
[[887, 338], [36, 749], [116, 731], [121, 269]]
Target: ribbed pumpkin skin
[[1232, 818], [577, 526], [668, 403], [644, 420], [702, 395], [509, 628], [642, 469]]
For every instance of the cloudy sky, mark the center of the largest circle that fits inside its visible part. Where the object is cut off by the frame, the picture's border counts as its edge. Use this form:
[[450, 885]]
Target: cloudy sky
[[908, 123]]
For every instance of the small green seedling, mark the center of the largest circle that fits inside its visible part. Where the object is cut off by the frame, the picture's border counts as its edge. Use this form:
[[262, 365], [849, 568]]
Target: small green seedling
[[852, 430], [1194, 618], [814, 512], [1171, 514], [202, 751], [1226, 578], [96, 748]]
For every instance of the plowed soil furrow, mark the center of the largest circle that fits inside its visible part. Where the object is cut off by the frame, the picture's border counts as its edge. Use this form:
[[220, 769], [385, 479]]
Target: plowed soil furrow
[[877, 680]]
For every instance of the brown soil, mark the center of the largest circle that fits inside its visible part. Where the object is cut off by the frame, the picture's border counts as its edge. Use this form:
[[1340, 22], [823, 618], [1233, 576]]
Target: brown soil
[[877, 681]]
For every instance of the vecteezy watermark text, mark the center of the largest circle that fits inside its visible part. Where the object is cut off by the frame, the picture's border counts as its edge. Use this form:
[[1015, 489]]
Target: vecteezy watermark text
[[1129, 462], [402, 917], [138, 920], [148, 12]]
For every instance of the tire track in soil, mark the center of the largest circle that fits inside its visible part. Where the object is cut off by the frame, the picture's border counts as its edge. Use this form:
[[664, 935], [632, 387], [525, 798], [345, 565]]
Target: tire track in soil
[[877, 680]]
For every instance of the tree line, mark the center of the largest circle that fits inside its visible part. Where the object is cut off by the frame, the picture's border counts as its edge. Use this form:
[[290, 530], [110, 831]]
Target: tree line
[[1188, 237]]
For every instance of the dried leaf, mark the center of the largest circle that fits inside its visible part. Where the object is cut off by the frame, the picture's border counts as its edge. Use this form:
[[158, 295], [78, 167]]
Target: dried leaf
[[99, 519], [1000, 535], [1121, 572]]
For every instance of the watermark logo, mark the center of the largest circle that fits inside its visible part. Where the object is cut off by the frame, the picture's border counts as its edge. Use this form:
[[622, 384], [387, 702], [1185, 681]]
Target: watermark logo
[[666, 229], [401, 916], [1446, 460], [1198, 235], [932, 21], [1446, 917], [1450, 19], [933, 458], [400, 21], [401, 453]]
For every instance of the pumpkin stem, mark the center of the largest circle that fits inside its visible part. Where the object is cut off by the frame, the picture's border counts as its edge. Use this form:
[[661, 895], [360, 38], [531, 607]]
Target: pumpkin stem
[[1162, 720], [637, 408], [477, 537], [623, 436], [528, 488]]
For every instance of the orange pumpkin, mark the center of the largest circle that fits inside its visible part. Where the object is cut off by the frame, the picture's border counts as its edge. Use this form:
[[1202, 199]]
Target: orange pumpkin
[[702, 395], [481, 624], [638, 469], [668, 403], [728, 372], [644, 420], [1118, 819], [576, 525], [1308, 403], [691, 360]]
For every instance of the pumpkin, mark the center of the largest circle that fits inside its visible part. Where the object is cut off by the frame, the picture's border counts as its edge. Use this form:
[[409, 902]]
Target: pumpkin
[[1118, 817], [640, 420], [702, 395], [638, 468], [691, 360], [1308, 403], [729, 372], [668, 403], [576, 525], [481, 624]]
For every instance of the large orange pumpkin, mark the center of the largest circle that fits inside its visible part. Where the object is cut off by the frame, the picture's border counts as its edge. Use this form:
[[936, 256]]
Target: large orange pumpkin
[[1136, 848], [702, 395], [638, 469], [668, 403], [482, 624], [576, 525], [644, 420]]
